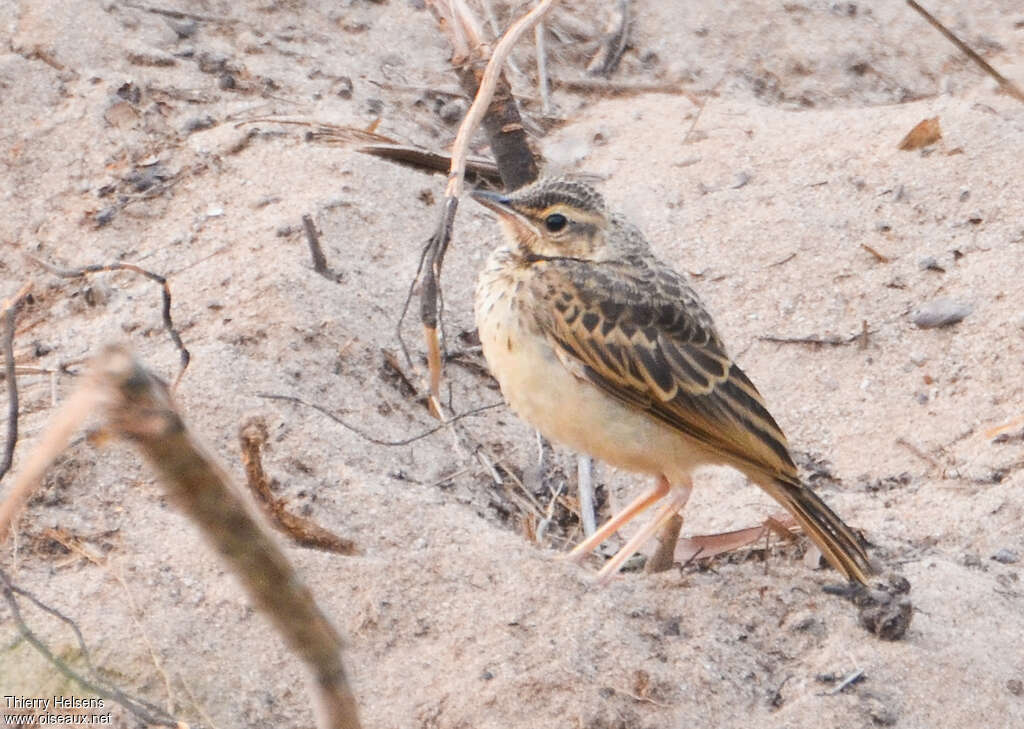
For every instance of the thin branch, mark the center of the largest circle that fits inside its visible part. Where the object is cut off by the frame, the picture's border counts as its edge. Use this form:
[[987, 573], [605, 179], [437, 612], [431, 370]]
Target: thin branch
[[184, 355], [366, 436], [488, 84], [543, 82], [9, 313], [814, 340], [1007, 85], [53, 442], [585, 480]]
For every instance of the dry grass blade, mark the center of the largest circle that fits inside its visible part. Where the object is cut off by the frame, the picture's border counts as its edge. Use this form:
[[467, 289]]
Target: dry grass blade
[[477, 168], [1007, 85], [706, 546]]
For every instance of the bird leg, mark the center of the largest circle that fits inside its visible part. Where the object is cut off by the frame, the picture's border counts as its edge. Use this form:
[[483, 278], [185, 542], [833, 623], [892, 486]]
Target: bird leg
[[635, 508], [676, 501]]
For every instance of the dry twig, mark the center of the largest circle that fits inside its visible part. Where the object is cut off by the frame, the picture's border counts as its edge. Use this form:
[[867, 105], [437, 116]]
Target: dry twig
[[165, 310], [665, 553], [1007, 85], [880, 257], [366, 436], [9, 315], [814, 340], [514, 169], [253, 437], [315, 250], [613, 43]]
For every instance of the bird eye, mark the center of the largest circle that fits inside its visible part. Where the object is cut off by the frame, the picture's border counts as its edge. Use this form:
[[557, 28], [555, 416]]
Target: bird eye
[[555, 222]]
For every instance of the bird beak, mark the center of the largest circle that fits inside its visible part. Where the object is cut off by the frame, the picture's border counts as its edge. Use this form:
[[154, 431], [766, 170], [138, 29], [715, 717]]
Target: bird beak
[[515, 223], [495, 201]]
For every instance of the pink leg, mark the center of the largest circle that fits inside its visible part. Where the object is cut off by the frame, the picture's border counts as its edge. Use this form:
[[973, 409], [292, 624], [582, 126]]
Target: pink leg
[[636, 507], [680, 495]]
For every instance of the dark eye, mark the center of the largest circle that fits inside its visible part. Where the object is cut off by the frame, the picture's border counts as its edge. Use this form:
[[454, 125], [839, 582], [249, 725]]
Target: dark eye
[[555, 222]]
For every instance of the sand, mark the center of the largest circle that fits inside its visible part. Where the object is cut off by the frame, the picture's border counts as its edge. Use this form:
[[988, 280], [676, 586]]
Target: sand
[[131, 136]]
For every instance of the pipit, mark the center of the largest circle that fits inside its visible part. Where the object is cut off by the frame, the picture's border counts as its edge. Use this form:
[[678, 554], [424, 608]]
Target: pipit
[[603, 347]]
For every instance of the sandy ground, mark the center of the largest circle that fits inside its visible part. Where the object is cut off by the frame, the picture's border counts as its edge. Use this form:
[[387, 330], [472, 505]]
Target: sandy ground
[[121, 141]]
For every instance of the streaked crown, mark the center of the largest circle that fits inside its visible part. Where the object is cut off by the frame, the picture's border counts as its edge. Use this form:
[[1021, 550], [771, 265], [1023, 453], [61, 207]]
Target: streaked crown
[[552, 217]]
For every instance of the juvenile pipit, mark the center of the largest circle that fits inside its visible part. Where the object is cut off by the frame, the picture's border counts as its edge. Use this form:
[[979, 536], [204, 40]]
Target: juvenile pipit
[[603, 347]]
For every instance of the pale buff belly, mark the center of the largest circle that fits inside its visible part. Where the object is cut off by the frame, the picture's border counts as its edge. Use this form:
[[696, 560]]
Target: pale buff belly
[[565, 408]]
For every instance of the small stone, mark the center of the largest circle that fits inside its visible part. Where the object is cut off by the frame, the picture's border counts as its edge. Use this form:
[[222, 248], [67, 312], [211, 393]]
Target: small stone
[[199, 123], [940, 313], [918, 359], [1015, 686], [453, 111], [971, 560], [1006, 556], [343, 87], [184, 28], [104, 216], [880, 709], [129, 92], [212, 62], [930, 263], [885, 608]]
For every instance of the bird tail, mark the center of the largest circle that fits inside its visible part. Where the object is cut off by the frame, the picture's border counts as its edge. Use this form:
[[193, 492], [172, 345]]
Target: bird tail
[[837, 541]]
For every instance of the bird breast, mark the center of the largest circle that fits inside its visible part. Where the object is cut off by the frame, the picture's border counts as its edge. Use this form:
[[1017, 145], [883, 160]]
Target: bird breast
[[542, 390]]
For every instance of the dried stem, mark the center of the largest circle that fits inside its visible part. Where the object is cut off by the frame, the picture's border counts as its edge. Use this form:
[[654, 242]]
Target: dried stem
[[1007, 85], [315, 249], [165, 310], [56, 438], [438, 244], [252, 437], [9, 314], [665, 554]]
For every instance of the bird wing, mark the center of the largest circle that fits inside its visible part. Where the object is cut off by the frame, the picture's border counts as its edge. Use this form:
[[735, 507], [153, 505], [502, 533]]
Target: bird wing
[[642, 335]]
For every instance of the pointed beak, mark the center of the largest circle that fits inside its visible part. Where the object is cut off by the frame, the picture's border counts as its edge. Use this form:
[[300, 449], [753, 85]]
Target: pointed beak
[[517, 226], [496, 201]]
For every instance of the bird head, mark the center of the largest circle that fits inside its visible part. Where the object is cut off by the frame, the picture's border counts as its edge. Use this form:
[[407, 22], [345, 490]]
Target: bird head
[[552, 218]]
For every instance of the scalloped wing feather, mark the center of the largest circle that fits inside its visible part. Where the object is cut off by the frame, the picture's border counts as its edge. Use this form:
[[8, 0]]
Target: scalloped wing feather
[[641, 334]]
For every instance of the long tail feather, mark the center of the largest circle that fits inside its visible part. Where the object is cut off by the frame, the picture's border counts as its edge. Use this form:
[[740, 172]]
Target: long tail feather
[[837, 541]]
